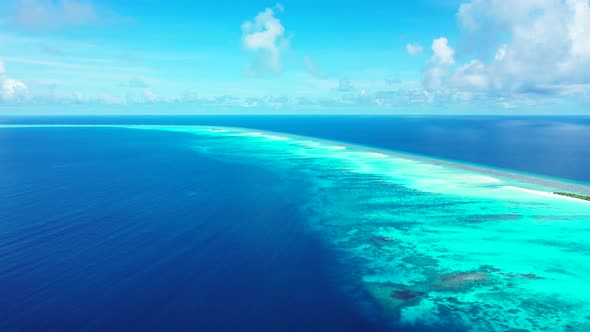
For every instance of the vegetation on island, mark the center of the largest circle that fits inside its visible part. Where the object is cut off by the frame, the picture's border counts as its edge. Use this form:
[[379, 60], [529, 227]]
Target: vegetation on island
[[586, 198]]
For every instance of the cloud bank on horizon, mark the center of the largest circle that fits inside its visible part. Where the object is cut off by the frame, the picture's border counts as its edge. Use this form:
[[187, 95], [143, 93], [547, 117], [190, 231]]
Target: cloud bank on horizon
[[492, 55], [539, 47]]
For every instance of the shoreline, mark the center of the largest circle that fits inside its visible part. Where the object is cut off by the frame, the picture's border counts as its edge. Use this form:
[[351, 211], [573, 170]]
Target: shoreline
[[547, 194]]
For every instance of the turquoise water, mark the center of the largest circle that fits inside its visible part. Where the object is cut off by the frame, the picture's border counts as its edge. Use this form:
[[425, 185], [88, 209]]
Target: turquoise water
[[433, 243]]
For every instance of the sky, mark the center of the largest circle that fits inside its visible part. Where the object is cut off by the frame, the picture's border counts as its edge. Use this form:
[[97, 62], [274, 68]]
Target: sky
[[295, 57]]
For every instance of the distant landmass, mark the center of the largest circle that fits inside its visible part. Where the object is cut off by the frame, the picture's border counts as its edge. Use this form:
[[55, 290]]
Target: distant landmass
[[583, 197]]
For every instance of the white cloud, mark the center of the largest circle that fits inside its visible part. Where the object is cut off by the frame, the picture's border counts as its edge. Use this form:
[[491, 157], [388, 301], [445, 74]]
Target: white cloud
[[579, 28], [136, 95], [537, 47], [11, 89], [150, 96], [434, 76], [47, 14], [500, 53], [471, 75], [501, 15], [414, 49], [443, 53], [265, 36]]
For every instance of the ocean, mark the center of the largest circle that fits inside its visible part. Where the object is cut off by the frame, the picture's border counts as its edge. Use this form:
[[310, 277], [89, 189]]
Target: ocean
[[262, 223]]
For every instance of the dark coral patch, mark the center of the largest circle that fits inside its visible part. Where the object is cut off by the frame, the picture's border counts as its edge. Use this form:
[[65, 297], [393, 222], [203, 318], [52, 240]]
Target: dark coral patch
[[523, 275], [382, 239], [406, 294]]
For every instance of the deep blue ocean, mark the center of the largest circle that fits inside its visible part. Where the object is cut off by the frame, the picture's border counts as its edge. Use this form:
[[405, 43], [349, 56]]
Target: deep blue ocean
[[119, 230]]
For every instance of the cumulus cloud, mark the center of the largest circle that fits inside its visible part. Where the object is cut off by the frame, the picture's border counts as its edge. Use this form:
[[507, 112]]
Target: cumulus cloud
[[139, 95], [50, 14], [434, 75], [414, 49], [442, 53], [472, 75], [265, 36], [534, 47], [11, 89], [150, 96]]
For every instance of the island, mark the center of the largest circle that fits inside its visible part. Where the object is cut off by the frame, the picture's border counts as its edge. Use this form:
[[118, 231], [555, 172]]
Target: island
[[586, 198]]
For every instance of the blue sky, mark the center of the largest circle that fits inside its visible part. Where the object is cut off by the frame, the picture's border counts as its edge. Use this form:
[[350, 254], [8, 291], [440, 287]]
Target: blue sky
[[312, 57]]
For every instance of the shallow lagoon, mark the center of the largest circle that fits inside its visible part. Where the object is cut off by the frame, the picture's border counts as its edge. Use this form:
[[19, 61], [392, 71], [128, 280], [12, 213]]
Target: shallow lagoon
[[437, 244], [432, 243]]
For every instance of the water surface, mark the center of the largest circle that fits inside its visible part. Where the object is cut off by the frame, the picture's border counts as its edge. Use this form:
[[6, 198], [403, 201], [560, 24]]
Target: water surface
[[179, 227]]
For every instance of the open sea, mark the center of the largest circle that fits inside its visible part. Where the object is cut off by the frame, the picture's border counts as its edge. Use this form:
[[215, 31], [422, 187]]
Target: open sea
[[294, 223]]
